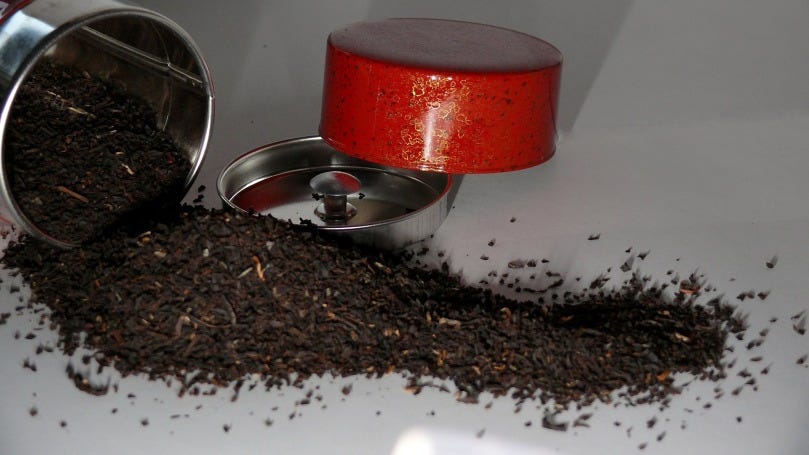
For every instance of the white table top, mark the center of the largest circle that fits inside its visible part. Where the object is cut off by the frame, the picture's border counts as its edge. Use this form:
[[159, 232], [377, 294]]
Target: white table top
[[685, 133]]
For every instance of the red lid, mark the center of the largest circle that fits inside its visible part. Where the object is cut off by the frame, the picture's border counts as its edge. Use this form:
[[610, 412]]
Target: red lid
[[9, 7], [440, 95]]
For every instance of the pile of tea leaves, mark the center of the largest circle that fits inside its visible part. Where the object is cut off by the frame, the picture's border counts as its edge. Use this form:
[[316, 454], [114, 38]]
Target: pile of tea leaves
[[227, 294], [82, 153]]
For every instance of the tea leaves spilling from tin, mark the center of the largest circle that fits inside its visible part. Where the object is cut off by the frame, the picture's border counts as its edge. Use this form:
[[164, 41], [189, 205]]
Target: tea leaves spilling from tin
[[83, 153], [226, 294]]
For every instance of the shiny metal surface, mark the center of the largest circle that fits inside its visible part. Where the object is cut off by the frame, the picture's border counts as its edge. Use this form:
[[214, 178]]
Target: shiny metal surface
[[145, 52], [395, 207]]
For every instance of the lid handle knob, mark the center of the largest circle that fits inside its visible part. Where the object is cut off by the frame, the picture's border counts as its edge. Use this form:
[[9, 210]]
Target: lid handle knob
[[334, 187]]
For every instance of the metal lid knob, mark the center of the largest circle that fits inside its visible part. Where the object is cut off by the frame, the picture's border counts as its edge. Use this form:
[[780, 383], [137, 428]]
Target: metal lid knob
[[334, 187]]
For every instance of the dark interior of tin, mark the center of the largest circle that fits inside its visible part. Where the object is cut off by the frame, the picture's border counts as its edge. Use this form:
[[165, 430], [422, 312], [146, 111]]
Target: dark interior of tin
[[151, 61]]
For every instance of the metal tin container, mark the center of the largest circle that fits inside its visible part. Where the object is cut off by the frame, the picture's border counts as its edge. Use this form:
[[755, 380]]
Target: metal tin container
[[307, 180], [440, 95], [140, 50]]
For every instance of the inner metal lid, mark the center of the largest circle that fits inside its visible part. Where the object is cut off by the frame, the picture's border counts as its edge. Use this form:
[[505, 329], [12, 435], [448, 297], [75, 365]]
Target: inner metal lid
[[306, 180]]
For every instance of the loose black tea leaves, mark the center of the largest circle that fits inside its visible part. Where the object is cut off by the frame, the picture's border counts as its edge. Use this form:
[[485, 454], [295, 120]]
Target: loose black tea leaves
[[27, 364], [516, 264], [581, 421], [550, 421], [651, 422], [217, 300], [82, 154], [627, 265], [800, 326]]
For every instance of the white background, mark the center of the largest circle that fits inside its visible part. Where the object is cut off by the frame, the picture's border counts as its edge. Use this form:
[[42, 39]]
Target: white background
[[685, 132]]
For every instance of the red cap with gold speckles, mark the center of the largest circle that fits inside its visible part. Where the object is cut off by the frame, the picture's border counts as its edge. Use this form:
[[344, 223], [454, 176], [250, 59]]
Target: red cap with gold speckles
[[440, 95]]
